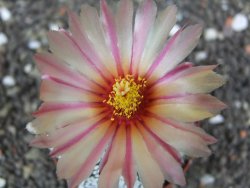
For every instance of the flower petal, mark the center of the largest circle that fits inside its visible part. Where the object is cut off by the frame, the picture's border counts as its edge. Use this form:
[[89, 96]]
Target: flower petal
[[55, 91], [91, 27], [63, 45], [84, 43], [124, 25], [92, 159], [68, 133], [148, 170], [191, 81], [182, 43], [184, 141], [112, 170], [109, 27], [51, 65], [144, 21], [128, 168], [72, 163], [51, 116], [169, 166], [164, 22]]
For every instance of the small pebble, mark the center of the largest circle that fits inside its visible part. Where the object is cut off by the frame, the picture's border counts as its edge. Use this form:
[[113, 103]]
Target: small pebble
[[207, 179], [5, 14], [2, 182], [27, 68], [247, 49], [200, 56], [174, 29], [211, 34], [243, 134], [9, 81], [54, 26], [34, 44], [240, 22], [3, 39], [216, 119], [30, 128]]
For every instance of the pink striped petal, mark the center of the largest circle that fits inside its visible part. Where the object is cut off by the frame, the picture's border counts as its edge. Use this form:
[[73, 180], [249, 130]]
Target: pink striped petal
[[144, 21], [189, 127], [112, 170], [164, 22], [70, 163], [169, 166], [124, 26], [129, 169], [51, 65], [191, 81], [94, 156], [52, 116], [84, 43], [184, 141], [55, 91], [183, 43], [92, 28], [66, 134], [109, 27], [149, 171], [63, 45]]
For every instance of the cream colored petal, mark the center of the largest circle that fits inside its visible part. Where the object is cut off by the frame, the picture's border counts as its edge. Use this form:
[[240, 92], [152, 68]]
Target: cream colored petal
[[184, 141], [112, 170], [71, 161], [172, 169], [149, 171], [63, 45], [158, 35], [62, 115], [52, 91], [124, 25], [200, 82], [91, 26]]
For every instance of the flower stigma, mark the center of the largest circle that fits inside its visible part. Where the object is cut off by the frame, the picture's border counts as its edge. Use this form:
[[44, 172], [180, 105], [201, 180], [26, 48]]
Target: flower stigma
[[126, 96]]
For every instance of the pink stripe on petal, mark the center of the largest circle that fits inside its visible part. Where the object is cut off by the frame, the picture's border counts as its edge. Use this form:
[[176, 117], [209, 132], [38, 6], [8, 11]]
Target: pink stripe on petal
[[175, 154], [84, 43], [128, 169], [112, 170], [89, 163], [185, 127], [163, 53], [144, 20], [51, 65], [51, 107], [109, 27], [61, 149], [170, 167]]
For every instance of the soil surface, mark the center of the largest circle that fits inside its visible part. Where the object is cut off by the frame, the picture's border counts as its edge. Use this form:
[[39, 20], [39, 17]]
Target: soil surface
[[225, 41]]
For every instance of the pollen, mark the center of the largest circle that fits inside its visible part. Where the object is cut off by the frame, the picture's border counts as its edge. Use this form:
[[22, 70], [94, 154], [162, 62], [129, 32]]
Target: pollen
[[126, 96]]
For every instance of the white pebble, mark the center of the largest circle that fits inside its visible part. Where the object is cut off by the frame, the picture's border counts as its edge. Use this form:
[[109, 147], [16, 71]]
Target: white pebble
[[30, 128], [200, 56], [174, 29], [216, 119], [34, 44], [3, 39], [2, 182], [5, 14], [8, 81], [211, 34], [207, 179], [54, 26], [240, 22], [27, 68]]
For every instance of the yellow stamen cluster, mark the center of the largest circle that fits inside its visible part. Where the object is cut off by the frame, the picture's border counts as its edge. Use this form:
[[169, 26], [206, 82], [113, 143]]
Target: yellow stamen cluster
[[126, 96]]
